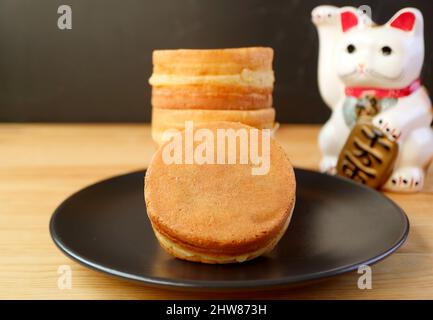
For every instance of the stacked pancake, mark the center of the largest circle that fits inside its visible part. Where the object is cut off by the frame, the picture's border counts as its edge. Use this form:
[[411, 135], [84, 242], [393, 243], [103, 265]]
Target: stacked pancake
[[219, 213], [211, 85]]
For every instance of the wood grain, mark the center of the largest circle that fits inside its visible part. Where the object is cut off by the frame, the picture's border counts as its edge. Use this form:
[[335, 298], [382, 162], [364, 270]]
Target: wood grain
[[42, 164]]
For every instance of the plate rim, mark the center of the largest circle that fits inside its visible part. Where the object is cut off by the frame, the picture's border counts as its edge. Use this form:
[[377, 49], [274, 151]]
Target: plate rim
[[225, 284]]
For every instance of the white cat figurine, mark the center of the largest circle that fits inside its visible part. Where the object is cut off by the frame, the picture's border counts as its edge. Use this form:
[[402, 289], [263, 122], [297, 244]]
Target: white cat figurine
[[357, 57]]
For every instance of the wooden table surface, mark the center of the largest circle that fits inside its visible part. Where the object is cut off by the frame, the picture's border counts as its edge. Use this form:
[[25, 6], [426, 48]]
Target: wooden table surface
[[42, 164]]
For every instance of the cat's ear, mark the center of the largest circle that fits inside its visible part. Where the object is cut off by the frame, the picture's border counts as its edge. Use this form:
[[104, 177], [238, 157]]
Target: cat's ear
[[349, 19], [407, 19]]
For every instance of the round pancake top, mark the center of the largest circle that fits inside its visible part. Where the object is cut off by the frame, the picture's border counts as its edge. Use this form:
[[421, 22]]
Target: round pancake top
[[220, 207], [211, 61]]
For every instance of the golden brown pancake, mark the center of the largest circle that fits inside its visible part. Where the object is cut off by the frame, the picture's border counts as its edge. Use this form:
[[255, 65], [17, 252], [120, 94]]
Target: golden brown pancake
[[219, 213], [211, 85], [224, 79], [211, 62]]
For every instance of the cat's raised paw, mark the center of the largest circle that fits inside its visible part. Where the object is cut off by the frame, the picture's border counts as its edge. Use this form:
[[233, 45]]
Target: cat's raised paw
[[388, 127], [322, 15], [407, 179]]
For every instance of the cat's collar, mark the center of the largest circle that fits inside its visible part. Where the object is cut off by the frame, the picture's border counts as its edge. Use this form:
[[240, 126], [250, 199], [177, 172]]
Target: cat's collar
[[380, 93]]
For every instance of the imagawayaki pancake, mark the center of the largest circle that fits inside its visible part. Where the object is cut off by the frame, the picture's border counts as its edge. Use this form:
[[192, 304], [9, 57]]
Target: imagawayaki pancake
[[219, 213]]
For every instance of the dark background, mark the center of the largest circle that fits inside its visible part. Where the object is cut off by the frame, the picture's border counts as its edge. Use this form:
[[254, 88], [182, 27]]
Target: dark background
[[98, 71]]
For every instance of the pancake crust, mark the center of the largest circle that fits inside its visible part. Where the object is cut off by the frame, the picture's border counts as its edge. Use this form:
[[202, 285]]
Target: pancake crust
[[211, 97], [183, 252], [220, 210], [212, 62]]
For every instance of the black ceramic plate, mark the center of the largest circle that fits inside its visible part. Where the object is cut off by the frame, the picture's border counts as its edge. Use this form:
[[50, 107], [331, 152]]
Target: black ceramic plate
[[337, 226]]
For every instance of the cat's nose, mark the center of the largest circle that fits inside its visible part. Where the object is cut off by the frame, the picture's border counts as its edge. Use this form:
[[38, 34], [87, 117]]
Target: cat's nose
[[361, 67]]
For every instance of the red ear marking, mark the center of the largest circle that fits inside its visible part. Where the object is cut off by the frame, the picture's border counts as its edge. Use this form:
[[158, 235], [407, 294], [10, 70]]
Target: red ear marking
[[404, 21], [348, 20]]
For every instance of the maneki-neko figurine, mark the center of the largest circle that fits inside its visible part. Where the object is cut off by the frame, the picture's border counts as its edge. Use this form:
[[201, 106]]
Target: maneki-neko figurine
[[380, 130]]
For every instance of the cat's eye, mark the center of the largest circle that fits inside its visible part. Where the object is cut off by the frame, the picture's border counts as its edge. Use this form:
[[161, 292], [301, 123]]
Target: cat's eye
[[386, 51], [351, 48]]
